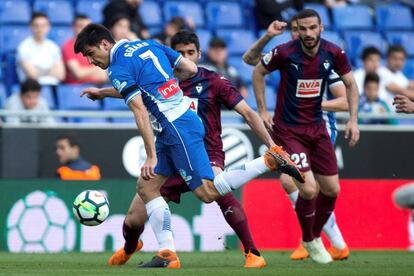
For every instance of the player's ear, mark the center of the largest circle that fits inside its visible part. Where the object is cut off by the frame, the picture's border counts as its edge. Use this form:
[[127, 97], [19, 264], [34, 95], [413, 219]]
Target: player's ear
[[322, 27], [199, 54]]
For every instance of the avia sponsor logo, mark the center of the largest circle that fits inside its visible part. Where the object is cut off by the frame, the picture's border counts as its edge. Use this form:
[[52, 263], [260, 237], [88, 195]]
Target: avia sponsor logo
[[194, 104], [308, 88], [169, 89]]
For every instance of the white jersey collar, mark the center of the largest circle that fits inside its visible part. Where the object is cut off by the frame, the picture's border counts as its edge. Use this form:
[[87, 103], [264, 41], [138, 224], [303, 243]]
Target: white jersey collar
[[116, 46]]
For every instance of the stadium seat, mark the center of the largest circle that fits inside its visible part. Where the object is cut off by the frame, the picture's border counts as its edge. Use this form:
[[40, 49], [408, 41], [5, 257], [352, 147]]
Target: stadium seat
[[409, 68], [114, 104], [277, 40], [151, 14], [91, 8], [392, 17], [245, 71], [123, 120], [46, 93], [80, 120], [323, 12], [11, 36], [273, 79], [10, 74], [188, 10], [68, 98], [333, 37], [237, 40], [204, 36], [356, 41], [3, 95], [224, 15], [405, 39], [352, 17], [58, 11], [270, 96], [14, 12], [60, 34]]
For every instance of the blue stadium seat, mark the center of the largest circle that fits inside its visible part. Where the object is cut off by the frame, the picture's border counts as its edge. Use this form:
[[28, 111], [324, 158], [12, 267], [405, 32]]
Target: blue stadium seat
[[204, 36], [323, 12], [58, 11], [123, 121], [356, 41], [188, 10], [46, 93], [333, 37], [237, 40], [11, 36], [68, 98], [14, 12], [409, 68], [273, 79], [80, 120], [352, 17], [224, 14], [91, 8], [10, 74], [405, 39], [277, 40], [151, 13], [392, 17], [245, 71], [3, 95], [114, 104], [270, 96], [60, 34]]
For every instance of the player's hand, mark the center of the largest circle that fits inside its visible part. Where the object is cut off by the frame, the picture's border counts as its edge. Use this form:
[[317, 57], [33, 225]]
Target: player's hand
[[92, 93], [147, 170], [403, 104], [267, 119], [352, 132], [276, 28]]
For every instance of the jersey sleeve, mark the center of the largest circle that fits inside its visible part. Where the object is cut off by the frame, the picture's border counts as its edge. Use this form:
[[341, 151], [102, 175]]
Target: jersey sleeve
[[124, 82], [341, 62], [272, 60], [173, 56], [334, 79], [227, 93]]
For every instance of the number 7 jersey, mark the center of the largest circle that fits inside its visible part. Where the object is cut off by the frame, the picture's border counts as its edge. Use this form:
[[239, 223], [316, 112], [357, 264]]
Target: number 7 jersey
[[146, 68]]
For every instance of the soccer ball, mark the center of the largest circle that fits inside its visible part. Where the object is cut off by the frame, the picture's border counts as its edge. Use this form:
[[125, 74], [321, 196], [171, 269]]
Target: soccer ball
[[91, 208]]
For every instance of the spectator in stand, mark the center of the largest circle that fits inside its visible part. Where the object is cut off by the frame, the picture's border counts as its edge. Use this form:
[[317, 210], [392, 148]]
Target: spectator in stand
[[216, 60], [172, 27], [78, 69], [28, 99], [129, 8], [370, 102], [38, 57], [268, 11], [371, 58], [120, 28], [392, 78], [73, 166]]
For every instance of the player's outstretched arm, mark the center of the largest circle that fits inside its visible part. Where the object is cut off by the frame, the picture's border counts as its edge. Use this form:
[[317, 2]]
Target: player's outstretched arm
[[255, 122], [253, 55], [94, 93], [352, 95], [144, 125], [259, 74], [339, 103], [185, 69]]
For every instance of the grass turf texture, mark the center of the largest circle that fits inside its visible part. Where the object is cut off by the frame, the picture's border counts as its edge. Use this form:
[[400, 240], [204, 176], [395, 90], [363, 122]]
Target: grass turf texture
[[195, 264]]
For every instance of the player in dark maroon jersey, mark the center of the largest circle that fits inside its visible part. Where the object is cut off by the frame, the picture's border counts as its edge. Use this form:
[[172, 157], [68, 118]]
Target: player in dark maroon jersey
[[208, 91], [298, 125]]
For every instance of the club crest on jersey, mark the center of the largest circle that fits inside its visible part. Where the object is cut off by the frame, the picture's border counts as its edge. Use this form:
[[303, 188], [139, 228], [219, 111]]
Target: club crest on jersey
[[308, 88], [118, 85], [326, 64], [169, 89], [199, 88], [267, 58]]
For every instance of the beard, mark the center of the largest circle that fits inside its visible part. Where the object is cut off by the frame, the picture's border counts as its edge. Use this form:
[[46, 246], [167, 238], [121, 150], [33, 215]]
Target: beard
[[307, 43]]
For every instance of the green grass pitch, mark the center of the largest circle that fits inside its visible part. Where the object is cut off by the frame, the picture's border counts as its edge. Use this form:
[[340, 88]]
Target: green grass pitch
[[224, 263]]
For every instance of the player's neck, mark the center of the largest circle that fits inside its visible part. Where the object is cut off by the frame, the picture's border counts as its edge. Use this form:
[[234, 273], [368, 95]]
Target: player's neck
[[311, 52]]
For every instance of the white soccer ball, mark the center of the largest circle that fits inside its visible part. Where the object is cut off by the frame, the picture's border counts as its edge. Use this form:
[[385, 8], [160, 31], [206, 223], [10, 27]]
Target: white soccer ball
[[91, 208]]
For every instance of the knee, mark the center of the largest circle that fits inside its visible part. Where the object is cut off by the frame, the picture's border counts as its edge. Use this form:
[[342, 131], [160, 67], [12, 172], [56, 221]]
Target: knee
[[332, 191], [308, 191]]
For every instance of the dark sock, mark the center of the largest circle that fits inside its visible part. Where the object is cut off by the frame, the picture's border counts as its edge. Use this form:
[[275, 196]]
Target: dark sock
[[305, 210], [131, 236], [324, 208], [234, 214]]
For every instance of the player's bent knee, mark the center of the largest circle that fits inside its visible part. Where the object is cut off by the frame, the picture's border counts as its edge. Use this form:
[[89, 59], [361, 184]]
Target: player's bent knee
[[308, 192]]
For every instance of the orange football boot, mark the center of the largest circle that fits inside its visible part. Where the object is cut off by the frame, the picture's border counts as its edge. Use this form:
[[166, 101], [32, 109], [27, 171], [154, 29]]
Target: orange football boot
[[300, 253], [254, 261], [277, 159], [164, 259], [120, 257], [339, 254]]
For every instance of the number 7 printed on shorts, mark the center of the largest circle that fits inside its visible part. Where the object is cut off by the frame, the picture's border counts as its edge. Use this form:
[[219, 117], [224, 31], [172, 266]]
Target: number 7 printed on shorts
[[300, 159]]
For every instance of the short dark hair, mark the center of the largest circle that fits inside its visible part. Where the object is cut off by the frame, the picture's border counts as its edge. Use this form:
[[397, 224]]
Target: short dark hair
[[217, 42], [72, 139], [178, 22], [369, 51], [307, 13], [396, 49], [30, 85], [185, 37], [38, 15], [371, 77], [116, 18], [79, 16], [92, 35]]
